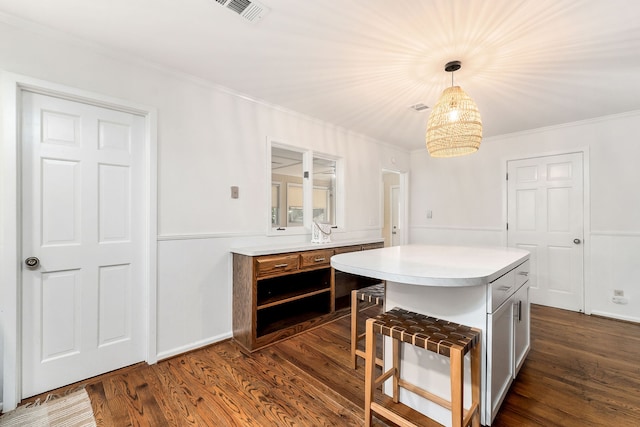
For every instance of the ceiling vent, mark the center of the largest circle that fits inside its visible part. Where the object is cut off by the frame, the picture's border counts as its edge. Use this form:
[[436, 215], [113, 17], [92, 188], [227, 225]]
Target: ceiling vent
[[252, 11], [419, 107]]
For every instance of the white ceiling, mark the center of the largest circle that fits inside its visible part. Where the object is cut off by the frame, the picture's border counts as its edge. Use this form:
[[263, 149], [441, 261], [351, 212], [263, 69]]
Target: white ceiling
[[361, 64]]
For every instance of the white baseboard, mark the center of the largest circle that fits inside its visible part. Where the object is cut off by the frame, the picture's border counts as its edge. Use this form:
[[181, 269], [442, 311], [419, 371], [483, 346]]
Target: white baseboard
[[193, 346], [616, 316]]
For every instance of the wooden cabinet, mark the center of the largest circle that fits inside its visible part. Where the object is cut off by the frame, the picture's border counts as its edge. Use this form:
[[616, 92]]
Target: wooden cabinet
[[281, 294]]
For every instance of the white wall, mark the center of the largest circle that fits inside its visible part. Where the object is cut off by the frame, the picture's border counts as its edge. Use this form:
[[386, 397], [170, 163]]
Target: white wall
[[467, 196], [208, 140]]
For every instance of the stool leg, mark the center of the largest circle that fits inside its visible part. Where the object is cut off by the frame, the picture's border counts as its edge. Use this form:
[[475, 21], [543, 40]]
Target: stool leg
[[369, 370], [354, 328], [396, 369], [475, 382], [457, 386]]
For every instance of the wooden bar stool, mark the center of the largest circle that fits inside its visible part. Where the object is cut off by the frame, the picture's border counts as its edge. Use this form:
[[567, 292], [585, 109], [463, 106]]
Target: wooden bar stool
[[371, 294], [448, 339]]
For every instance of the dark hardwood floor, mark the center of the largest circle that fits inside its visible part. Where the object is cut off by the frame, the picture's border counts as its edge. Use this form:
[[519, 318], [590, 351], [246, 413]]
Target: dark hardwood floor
[[581, 371]]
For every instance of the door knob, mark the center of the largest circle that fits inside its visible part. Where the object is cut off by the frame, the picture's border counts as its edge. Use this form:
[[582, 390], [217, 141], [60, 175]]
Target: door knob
[[577, 241], [32, 262]]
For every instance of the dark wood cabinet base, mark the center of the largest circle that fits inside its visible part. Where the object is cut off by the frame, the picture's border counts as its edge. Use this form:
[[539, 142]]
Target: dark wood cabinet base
[[279, 295]]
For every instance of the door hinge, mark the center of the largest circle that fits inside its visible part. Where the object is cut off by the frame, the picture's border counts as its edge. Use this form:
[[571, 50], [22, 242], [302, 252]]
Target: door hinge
[[507, 176], [507, 226]]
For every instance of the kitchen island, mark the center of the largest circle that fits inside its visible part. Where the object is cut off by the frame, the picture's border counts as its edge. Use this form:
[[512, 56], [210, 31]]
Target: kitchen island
[[482, 287]]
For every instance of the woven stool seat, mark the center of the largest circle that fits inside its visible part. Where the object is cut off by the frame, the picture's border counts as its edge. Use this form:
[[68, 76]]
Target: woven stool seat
[[448, 339], [371, 294], [435, 335]]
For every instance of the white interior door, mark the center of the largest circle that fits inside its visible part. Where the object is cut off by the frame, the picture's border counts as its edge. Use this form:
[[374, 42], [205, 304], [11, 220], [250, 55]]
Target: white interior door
[[395, 215], [545, 216], [83, 218]]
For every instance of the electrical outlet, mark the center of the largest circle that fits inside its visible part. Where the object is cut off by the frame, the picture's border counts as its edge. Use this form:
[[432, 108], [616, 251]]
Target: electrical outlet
[[235, 192], [618, 293], [429, 214]]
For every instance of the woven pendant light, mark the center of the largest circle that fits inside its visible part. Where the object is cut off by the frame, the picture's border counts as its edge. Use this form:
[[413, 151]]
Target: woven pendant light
[[454, 127]]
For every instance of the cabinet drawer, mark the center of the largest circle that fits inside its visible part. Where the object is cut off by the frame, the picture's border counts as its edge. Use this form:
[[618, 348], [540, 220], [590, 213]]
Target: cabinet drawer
[[377, 245], [501, 289], [274, 265], [315, 258], [522, 273], [346, 249]]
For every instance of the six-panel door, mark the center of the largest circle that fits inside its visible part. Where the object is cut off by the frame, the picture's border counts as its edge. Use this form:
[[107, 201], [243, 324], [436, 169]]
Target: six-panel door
[[82, 216]]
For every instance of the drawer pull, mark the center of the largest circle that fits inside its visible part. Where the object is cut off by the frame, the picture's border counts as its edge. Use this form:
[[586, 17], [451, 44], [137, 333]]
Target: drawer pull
[[504, 288], [319, 259], [280, 265], [523, 273]]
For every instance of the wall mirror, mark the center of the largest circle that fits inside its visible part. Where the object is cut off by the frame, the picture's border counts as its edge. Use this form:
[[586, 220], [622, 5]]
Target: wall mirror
[[286, 188], [324, 182], [303, 189]]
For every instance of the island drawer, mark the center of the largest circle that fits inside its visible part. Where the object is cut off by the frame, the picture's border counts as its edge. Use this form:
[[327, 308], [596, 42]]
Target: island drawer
[[522, 274], [500, 290]]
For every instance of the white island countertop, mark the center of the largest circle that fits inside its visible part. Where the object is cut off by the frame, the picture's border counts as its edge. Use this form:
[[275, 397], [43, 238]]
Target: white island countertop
[[449, 266]]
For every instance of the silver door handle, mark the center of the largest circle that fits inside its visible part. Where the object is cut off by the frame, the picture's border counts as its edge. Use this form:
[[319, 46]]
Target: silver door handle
[[517, 310], [32, 262], [577, 241]]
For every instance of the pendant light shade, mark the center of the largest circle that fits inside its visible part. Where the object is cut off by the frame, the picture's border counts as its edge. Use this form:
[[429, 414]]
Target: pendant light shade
[[454, 127]]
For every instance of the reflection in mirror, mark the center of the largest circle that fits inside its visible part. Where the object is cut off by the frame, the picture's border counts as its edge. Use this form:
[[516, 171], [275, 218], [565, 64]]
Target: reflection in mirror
[[286, 173], [295, 205], [324, 184], [275, 204]]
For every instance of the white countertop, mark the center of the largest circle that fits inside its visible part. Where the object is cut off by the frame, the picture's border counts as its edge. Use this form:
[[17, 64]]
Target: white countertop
[[447, 266], [303, 246]]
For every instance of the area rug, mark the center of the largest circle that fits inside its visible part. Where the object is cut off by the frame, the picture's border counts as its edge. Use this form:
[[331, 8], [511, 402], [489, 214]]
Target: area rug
[[72, 410]]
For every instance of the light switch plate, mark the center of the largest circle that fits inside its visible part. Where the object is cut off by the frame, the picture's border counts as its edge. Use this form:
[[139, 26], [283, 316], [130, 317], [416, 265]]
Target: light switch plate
[[235, 192]]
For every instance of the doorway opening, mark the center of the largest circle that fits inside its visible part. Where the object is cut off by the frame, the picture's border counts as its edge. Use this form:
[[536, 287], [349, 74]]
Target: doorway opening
[[394, 208]]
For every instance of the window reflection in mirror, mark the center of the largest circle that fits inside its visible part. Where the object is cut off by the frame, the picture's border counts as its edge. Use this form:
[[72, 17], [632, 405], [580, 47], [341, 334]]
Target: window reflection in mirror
[[286, 174], [324, 189]]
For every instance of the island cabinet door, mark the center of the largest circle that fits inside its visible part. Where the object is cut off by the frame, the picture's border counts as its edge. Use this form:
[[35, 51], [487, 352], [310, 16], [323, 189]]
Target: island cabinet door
[[499, 355]]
